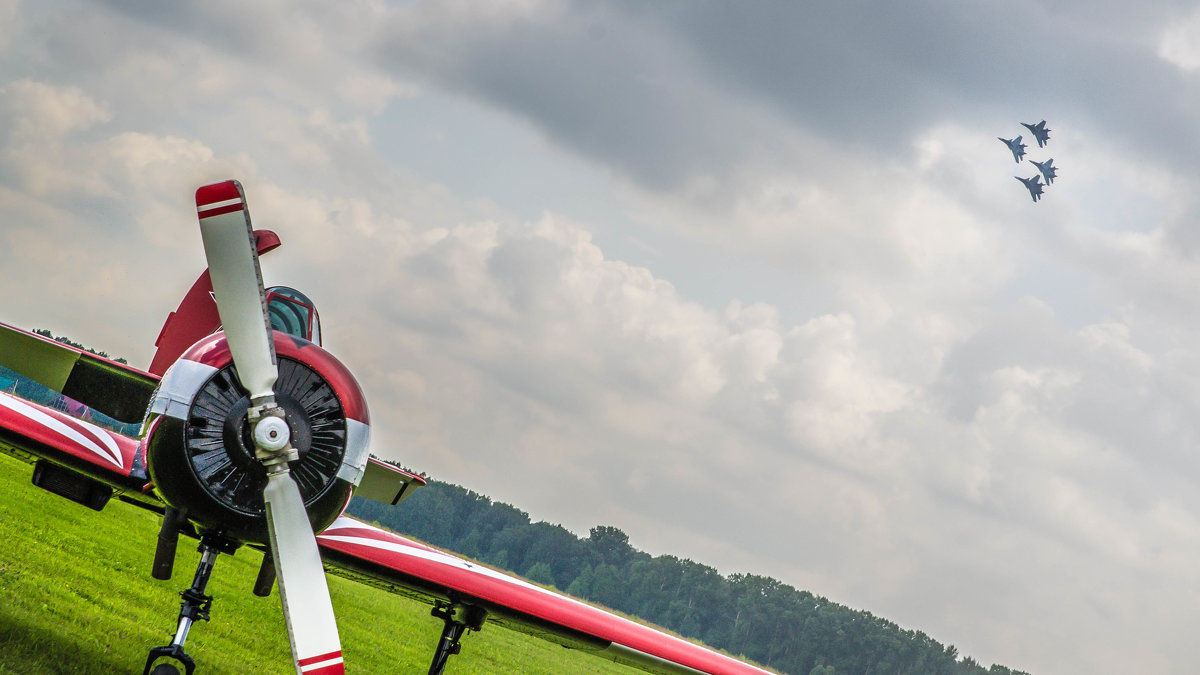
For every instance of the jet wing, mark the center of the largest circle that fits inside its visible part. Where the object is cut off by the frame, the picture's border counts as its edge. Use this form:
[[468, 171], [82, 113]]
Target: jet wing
[[71, 408], [387, 560]]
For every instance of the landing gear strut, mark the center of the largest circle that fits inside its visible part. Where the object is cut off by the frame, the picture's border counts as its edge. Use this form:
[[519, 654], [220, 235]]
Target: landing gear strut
[[458, 619], [195, 607]]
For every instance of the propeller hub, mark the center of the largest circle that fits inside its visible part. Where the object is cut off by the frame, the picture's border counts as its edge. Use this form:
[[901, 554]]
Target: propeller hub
[[272, 434], [269, 429]]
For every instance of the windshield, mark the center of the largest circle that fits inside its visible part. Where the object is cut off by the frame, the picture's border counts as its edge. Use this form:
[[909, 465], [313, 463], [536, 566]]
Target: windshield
[[293, 313]]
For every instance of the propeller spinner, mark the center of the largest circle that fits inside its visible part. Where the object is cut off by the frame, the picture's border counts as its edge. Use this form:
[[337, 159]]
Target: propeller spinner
[[238, 289]]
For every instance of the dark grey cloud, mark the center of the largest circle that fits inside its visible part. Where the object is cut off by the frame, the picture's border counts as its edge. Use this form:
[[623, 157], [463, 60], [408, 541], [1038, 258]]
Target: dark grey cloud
[[249, 30], [591, 77], [879, 73], [667, 91]]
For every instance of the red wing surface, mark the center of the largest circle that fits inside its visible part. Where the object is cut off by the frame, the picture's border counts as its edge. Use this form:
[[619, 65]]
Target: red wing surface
[[388, 560], [30, 430]]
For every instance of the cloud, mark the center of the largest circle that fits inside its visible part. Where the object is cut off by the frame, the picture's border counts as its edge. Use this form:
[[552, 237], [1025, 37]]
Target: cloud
[[38, 118], [849, 353], [618, 91], [1179, 42], [306, 54], [41, 113]]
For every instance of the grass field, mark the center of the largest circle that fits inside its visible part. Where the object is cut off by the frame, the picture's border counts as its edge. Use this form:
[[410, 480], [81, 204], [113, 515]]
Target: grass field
[[76, 597]]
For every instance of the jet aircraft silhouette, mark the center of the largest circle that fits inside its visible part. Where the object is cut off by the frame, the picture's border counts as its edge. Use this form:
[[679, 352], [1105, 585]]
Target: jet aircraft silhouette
[[1017, 147], [1034, 184], [1039, 131], [1049, 171]]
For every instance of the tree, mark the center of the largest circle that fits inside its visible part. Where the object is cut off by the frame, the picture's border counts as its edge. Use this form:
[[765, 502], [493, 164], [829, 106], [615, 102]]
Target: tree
[[655, 586], [539, 573], [581, 587], [610, 545], [561, 550], [608, 588], [511, 547]]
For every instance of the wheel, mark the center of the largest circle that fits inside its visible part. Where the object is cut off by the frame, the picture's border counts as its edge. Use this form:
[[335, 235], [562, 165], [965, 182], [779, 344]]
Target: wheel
[[164, 669]]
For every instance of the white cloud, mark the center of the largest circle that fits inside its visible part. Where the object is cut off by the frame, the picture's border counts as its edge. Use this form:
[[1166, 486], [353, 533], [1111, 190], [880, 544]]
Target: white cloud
[[42, 113], [969, 413], [1179, 42], [38, 119]]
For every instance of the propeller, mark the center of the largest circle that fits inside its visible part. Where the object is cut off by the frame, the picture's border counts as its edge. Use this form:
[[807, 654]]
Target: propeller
[[238, 290]]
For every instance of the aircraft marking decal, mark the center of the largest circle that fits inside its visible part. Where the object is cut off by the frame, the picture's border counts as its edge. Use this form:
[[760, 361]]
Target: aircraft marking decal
[[211, 209], [323, 664], [89, 437], [431, 555], [220, 208]]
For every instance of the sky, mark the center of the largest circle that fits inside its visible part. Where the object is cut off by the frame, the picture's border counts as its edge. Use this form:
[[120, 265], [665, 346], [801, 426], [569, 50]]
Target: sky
[[752, 282]]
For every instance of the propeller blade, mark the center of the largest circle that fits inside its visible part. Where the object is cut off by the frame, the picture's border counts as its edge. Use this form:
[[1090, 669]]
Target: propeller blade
[[238, 290], [237, 285], [307, 609]]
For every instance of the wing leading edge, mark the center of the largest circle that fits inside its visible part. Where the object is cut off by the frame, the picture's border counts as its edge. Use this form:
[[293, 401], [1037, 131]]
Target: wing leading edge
[[372, 555]]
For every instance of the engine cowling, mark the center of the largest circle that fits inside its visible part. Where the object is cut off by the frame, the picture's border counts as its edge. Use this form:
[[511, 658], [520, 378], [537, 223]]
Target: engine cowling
[[200, 454]]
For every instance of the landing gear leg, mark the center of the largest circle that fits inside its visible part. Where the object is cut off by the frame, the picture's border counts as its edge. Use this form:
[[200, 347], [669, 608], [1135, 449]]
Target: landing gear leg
[[195, 607], [458, 619]]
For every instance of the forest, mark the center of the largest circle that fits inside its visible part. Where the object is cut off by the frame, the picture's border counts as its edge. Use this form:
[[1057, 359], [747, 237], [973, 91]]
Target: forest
[[757, 617]]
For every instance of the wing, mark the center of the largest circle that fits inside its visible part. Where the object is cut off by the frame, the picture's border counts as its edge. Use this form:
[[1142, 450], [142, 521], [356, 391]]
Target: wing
[[71, 409], [385, 483], [387, 560]]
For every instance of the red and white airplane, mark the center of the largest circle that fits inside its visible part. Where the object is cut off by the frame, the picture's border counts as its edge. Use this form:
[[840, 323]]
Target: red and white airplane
[[244, 431]]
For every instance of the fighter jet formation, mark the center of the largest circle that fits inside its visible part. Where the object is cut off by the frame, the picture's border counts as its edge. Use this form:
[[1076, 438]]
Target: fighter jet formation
[[1047, 169]]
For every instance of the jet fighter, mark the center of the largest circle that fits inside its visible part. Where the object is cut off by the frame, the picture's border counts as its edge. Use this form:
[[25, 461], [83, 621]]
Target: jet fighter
[[1017, 147], [1039, 131], [1034, 184], [1049, 171]]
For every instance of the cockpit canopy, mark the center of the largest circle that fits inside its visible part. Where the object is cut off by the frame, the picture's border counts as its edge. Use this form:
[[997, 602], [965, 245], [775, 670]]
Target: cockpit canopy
[[291, 312]]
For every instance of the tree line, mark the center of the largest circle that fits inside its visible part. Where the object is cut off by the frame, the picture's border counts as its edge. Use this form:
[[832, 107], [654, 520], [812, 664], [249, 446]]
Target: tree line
[[44, 332], [753, 616]]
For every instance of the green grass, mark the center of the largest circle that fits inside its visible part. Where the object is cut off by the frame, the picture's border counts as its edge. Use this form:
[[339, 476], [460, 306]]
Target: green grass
[[76, 597]]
